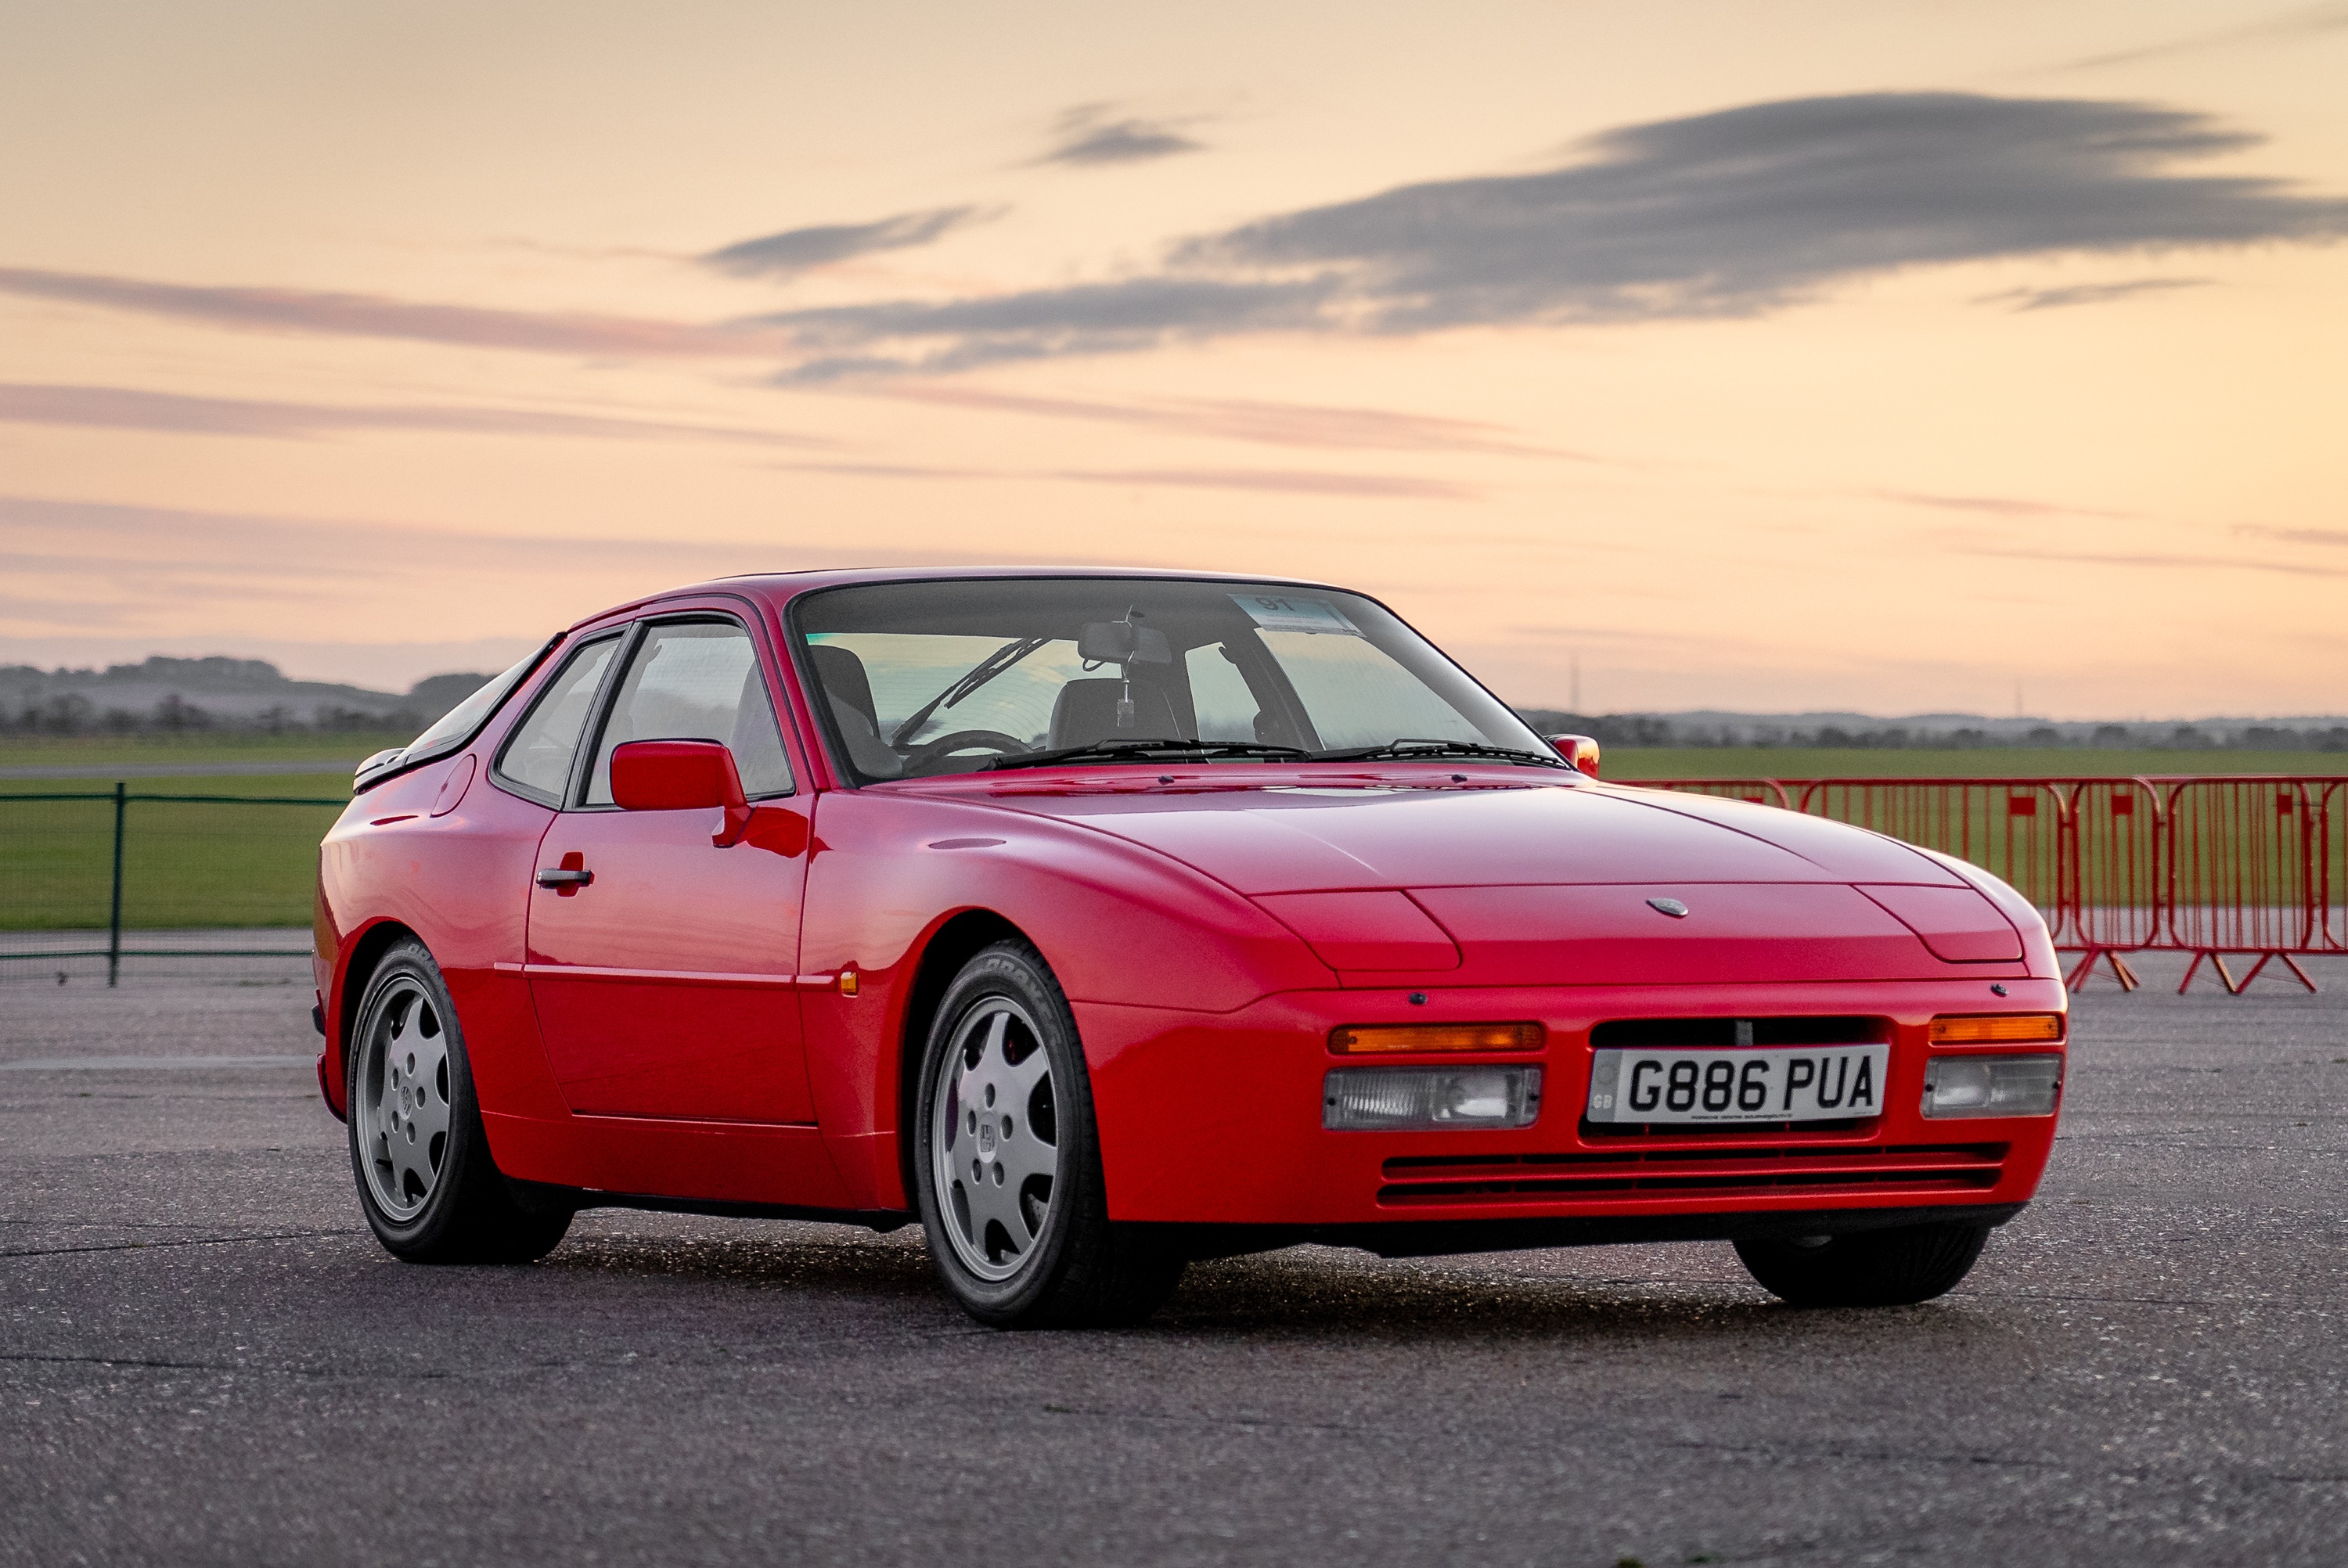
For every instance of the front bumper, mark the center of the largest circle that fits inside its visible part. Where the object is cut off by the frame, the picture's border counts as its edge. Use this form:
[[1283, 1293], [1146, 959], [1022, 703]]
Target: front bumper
[[1215, 1119]]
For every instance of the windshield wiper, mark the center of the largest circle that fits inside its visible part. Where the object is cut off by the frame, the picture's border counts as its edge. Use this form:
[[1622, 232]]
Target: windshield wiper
[[987, 669], [1412, 750], [1144, 750]]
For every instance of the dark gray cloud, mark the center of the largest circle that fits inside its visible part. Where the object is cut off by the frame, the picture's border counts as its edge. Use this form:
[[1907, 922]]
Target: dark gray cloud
[[1087, 318], [1735, 214], [797, 250], [129, 408], [1751, 208], [1087, 137], [2087, 293], [375, 316]]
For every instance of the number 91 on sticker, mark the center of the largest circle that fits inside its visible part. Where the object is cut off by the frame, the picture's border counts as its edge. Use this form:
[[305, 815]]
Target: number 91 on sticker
[[1812, 1083]]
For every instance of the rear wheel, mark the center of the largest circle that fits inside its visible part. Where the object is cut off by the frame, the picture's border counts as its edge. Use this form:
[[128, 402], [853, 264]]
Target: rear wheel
[[1894, 1268], [425, 1180], [1010, 1189]]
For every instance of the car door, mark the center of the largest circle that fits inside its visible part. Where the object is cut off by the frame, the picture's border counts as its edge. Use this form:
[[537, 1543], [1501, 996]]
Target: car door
[[662, 966]]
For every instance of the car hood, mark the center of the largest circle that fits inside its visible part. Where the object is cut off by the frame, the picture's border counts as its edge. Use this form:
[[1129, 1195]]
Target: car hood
[[1545, 884], [1314, 838]]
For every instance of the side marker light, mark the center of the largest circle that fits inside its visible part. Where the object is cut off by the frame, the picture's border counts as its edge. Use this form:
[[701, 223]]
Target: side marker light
[[1994, 1028], [1379, 1038]]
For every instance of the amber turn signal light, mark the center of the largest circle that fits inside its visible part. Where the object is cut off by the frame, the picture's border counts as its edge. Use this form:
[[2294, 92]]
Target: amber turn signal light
[[1997, 1029], [1378, 1039]]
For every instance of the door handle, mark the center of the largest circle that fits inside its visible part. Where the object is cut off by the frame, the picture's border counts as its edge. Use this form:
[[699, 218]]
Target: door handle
[[565, 877]]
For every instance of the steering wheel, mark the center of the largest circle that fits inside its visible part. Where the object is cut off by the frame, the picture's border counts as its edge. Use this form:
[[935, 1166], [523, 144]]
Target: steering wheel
[[925, 757]]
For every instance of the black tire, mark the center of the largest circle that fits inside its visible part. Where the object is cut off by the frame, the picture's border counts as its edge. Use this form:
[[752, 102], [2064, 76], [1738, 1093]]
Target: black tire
[[1894, 1268], [1071, 1266], [426, 1183]]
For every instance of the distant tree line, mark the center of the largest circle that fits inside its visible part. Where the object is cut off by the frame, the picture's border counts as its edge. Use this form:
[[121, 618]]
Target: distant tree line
[[71, 714], [214, 696], [1634, 730]]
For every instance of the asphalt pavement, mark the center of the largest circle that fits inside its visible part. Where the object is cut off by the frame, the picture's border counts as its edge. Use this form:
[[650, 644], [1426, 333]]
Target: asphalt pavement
[[206, 1358]]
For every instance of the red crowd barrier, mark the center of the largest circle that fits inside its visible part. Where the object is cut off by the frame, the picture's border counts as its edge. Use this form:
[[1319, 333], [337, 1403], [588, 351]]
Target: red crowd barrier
[[2245, 866]]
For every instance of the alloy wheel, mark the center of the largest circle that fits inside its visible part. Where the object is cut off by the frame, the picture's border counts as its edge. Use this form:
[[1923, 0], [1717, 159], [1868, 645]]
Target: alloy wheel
[[403, 1109], [994, 1155]]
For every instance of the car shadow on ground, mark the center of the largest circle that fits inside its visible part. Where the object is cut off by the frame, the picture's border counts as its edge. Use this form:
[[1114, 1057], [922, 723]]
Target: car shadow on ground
[[1300, 1290]]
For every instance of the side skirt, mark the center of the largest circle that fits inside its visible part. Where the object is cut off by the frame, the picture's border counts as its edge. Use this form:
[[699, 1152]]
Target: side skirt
[[538, 1195]]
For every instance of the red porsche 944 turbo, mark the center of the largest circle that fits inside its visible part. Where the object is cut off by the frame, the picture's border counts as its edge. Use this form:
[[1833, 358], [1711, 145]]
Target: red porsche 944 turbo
[[1103, 921]]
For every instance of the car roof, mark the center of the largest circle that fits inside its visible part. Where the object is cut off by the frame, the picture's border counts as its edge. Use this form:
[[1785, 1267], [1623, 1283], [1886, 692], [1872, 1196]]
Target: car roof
[[778, 587]]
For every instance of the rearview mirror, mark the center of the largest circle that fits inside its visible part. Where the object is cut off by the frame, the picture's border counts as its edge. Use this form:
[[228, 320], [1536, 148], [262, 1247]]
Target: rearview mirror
[[681, 776], [1122, 642]]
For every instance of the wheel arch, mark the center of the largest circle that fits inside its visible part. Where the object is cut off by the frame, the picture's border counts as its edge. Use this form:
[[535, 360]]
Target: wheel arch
[[359, 960], [958, 939]]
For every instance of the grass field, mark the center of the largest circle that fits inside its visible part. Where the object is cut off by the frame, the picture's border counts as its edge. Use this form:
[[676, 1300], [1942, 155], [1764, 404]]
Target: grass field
[[194, 864], [184, 864], [146, 750]]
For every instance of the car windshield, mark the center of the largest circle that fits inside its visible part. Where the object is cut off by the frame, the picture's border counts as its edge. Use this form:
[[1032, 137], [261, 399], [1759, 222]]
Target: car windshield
[[933, 677]]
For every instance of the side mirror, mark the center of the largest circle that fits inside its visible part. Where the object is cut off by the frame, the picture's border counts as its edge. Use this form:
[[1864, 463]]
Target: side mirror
[[681, 776], [1578, 750]]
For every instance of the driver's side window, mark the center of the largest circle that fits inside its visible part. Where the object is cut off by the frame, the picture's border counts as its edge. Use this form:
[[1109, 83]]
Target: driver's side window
[[696, 680]]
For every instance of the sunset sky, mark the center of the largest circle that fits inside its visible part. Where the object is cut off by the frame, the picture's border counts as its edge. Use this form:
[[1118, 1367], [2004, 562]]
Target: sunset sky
[[1857, 354]]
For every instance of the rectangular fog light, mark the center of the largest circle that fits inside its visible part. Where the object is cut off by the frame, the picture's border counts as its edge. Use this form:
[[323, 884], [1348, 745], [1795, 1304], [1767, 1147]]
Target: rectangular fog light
[[1992, 1085], [1394, 1099]]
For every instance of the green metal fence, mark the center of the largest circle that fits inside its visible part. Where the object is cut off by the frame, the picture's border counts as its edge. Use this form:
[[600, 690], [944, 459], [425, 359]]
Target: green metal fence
[[91, 875]]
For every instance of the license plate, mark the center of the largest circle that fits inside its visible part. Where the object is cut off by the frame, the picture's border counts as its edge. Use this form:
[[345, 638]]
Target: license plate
[[1797, 1083]]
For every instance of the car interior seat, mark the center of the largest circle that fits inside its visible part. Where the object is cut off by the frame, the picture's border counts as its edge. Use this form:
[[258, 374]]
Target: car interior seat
[[1085, 711], [848, 689]]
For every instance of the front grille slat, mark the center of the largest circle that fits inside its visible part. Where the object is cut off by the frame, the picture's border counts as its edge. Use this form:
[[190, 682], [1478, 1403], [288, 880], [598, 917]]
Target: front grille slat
[[1471, 1179]]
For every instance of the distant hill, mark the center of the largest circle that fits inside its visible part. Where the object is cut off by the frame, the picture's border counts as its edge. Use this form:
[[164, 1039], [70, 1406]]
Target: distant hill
[[163, 695], [2326, 733]]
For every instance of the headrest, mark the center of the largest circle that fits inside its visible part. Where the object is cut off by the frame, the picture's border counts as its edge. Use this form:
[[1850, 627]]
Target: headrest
[[1085, 711], [841, 674]]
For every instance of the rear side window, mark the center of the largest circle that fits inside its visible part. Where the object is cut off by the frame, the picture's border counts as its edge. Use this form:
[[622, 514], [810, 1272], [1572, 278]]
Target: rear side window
[[457, 725], [536, 758], [696, 680]]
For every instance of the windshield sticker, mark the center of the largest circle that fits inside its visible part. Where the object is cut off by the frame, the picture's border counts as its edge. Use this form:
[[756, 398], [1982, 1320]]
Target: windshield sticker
[[1289, 612]]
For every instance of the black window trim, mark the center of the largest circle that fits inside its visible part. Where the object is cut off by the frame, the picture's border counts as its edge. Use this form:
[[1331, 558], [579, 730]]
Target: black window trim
[[607, 696]]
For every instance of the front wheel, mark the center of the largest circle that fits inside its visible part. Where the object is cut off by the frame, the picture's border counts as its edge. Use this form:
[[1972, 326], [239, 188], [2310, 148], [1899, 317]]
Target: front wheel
[[1894, 1268], [1012, 1198], [425, 1180]]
